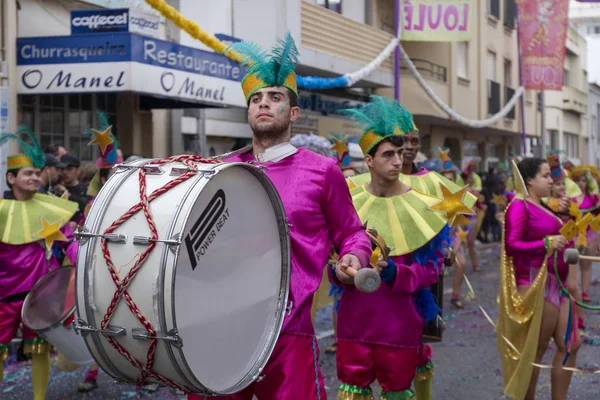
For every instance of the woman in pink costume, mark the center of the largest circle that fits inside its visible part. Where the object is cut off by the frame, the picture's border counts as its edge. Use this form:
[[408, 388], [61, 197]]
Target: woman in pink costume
[[588, 203], [532, 310]]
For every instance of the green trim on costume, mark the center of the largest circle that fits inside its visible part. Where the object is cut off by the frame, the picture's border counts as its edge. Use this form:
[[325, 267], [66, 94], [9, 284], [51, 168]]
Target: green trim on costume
[[425, 368], [405, 222], [356, 390], [401, 395]]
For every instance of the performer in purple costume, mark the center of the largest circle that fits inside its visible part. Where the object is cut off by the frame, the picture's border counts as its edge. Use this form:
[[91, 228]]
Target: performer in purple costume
[[28, 249], [319, 210], [379, 334]]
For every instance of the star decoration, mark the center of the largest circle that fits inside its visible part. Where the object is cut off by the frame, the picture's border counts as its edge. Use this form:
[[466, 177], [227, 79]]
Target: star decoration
[[50, 232], [102, 138], [351, 184], [574, 210], [340, 147], [595, 224], [581, 241], [569, 230], [65, 195], [444, 155], [452, 204]]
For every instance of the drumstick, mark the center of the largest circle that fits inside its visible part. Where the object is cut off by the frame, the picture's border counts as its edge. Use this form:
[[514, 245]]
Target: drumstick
[[351, 272]]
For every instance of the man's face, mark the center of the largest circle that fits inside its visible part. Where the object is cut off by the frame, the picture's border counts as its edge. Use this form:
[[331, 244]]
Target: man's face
[[69, 174], [270, 113], [410, 146], [348, 173], [27, 180], [386, 162]]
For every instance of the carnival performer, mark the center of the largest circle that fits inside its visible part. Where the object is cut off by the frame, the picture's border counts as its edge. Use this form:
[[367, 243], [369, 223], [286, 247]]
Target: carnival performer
[[588, 202], [531, 308], [379, 334], [448, 169], [34, 232], [472, 179], [566, 209], [319, 210], [110, 155]]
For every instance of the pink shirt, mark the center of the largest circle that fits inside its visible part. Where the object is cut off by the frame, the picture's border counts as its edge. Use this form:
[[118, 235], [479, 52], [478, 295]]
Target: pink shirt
[[526, 225], [319, 208]]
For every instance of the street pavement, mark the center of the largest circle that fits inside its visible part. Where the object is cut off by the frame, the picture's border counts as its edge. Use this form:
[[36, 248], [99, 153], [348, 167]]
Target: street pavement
[[467, 365]]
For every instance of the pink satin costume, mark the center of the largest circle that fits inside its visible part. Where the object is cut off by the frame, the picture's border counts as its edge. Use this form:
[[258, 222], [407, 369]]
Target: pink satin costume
[[320, 212], [526, 226], [21, 267], [379, 334]]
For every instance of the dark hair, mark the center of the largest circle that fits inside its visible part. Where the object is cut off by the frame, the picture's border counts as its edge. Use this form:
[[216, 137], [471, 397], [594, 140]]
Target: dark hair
[[529, 167], [104, 172], [293, 98], [14, 172], [464, 176], [395, 140]]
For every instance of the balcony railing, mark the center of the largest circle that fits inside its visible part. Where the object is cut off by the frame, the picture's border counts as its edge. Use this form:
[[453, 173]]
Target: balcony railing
[[493, 97], [574, 100], [508, 94], [510, 13], [427, 69], [328, 32], [494, 8]]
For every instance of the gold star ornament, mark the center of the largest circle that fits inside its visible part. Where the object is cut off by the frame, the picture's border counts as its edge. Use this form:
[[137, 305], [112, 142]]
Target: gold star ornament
[[102, 138], [340, 147], [452, 204], [462, 235], [51, 232]]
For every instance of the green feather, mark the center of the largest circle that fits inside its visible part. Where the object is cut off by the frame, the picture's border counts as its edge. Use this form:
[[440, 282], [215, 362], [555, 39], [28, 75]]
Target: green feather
[[382, 115], [33, 151], [284, 57], [102, 119], [255, 58]]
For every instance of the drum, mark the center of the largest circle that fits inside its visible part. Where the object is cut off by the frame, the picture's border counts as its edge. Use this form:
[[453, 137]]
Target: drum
[[213, 291], [432, 332], [48, 310]]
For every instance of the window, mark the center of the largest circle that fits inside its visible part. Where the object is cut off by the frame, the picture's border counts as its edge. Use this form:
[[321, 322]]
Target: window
[[598, 121], [494, 8], [593, 30], [509, 13], [491, 66], [462, 58], [52, 119], [508, 73], [566, 78], [572, 144], [333, 5]]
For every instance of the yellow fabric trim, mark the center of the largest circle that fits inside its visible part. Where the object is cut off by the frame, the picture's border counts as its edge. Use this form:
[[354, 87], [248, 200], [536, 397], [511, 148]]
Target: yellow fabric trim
[[25, 217], [9, 223], [368, 140], [519, 322], [399, 239], [18, 161], [252, 83]]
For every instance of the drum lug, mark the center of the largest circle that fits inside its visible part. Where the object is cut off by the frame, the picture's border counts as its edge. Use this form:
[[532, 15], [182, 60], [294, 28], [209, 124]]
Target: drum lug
[[173, 243], [288, 309], [112, 331], [83, 235], [178, 171], [172, 336], [150, 169]]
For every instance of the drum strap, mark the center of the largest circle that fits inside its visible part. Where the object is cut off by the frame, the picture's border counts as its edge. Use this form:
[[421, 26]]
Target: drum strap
[[272, 154]]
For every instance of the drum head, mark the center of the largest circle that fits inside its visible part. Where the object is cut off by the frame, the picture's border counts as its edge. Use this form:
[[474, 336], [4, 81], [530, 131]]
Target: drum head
[[51, 300], [231, 279]]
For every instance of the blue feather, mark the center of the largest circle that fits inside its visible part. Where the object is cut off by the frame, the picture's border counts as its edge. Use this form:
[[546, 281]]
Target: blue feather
[[434, 249], [336, 291], [426, 304]]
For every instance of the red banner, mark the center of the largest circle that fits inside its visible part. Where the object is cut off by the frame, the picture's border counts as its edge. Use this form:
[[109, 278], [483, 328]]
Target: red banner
[[543, 26]]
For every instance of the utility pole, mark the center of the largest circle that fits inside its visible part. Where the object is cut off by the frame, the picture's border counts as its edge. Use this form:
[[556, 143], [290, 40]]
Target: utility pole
[[543, 124]]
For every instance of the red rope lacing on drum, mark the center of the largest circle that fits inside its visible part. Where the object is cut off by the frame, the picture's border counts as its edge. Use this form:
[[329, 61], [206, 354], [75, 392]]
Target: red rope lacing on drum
[[122, 284]]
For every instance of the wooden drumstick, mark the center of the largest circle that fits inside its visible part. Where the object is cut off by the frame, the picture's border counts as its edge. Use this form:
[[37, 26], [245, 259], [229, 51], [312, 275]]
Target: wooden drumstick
[[366, 280], [572, 256]]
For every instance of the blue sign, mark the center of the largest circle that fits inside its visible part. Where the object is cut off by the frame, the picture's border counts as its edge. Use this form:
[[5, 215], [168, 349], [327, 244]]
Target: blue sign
[[99, 21], [126, 47]]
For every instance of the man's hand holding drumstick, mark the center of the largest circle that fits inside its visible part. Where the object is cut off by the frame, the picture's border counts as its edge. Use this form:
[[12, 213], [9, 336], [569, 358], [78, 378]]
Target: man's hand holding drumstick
[[346, 268]]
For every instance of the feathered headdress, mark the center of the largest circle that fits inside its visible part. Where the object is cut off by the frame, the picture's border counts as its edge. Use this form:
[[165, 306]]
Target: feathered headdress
[[340, 145], [265, 70], [468, 170], [106, 141], [382, 117], [443, 153], [556, 171], [32, 154]]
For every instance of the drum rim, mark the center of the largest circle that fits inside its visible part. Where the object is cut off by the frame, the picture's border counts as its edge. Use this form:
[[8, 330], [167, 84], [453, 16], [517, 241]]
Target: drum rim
[[36, 286], [274, 333], [105, 362]]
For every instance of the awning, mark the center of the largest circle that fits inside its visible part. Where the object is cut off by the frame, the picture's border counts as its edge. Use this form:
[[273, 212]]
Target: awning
[[126, 62]]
